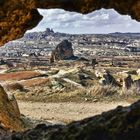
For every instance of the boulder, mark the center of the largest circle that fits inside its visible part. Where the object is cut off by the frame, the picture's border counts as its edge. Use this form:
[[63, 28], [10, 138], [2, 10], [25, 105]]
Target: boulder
[[122, 123], [63, 51], [93, 63], [108, 79], [9, 112], [127, 82]]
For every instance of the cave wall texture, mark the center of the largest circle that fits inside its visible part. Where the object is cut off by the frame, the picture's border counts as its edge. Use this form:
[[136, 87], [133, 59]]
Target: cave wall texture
[[17, 16]]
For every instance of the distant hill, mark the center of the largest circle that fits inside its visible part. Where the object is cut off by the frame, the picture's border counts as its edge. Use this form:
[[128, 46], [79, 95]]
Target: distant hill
[[34, 36], [49, 33], [125, 34], [43, 43]]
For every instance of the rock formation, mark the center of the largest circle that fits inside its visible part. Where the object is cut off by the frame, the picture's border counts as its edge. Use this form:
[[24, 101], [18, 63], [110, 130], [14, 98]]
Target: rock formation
[[93, 63], [9, 112], [63, 51], [107, 79], [122, 123], [17, 16], [127, 82], [110, 80]]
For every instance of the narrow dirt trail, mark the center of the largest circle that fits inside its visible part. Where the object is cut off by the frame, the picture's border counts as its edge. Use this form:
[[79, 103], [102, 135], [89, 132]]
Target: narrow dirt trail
[[64, 112]]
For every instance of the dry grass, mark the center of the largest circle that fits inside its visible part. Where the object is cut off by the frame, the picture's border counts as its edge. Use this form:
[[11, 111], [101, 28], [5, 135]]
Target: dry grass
[[95, 93], [35, 82], [14, 86], [103, 91], [45, 89], [92, 94], [132, 92], [73, 96]]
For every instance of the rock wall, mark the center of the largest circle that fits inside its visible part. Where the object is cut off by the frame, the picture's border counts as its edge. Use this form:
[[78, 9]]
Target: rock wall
[[9, 112], [17, 16]]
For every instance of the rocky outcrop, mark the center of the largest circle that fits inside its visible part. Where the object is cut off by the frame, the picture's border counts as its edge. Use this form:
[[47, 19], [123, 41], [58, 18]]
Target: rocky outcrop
[[17, 16], [122, 123], [110, 80], [63, 51], [9, 112], [127, 82], [106, 78]]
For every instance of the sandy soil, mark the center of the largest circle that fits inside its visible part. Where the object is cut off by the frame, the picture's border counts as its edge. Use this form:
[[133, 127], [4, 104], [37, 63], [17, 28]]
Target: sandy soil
[[18, 75], [64, 112]]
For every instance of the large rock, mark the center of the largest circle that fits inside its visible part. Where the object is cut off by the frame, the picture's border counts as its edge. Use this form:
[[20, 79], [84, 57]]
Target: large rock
[[122, 123], [110, 80], [63, 51], [107, 79], [127, 82], [9, 112], [17, 16]]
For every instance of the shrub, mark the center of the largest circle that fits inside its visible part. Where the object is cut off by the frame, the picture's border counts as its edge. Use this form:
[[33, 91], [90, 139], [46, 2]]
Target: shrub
[[14, 86]]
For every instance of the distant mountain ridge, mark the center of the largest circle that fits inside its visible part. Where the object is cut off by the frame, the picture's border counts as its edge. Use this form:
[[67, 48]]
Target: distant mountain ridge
[[127, 33], [43, 35]]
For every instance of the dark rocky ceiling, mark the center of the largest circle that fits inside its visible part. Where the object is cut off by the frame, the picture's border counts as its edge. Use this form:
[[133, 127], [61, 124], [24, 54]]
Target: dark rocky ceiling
[[17, 16]]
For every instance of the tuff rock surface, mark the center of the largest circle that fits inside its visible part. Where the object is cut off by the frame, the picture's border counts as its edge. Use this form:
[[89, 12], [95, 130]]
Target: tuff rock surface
[[9, 113], [63, 51], [17, 16], [122, 123]]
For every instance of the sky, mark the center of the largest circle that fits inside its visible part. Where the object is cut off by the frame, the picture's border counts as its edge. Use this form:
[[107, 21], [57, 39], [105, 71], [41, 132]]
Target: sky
[[101, 21]]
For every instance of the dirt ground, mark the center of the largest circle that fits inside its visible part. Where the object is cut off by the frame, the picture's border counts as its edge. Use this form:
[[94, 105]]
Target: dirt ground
[[64, 112]]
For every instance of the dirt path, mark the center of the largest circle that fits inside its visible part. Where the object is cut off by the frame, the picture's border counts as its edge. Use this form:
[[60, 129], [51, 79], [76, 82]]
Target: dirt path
[[64, 112]]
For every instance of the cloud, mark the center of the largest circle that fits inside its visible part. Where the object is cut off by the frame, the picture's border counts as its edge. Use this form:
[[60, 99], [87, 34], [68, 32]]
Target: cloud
[[101, 21]]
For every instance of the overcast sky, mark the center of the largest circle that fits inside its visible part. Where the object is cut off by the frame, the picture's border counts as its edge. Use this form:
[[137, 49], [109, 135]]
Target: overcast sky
[[102, 21]]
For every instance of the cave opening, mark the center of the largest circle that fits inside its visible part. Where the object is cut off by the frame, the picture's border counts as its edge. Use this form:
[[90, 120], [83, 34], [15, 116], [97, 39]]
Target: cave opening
[[66, 83]]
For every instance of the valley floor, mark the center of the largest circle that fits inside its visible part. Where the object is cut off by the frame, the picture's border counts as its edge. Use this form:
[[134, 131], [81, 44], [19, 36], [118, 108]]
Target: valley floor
[[61, 113]]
